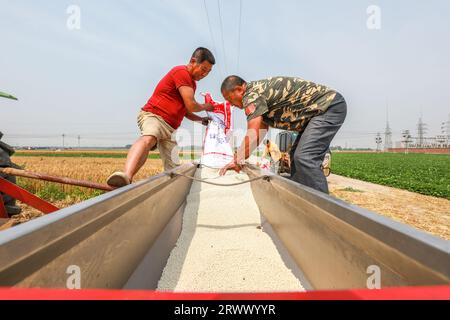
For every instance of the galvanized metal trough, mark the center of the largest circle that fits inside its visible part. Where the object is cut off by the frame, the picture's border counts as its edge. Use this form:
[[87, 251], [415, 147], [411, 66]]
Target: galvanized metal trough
[[122, 239]]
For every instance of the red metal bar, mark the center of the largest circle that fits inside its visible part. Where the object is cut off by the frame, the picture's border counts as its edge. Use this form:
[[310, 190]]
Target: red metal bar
[[3, 213], [23, 195], [403, 293]]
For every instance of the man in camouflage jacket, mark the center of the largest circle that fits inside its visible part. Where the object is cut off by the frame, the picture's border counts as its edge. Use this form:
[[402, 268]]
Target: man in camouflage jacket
[[315, 111]]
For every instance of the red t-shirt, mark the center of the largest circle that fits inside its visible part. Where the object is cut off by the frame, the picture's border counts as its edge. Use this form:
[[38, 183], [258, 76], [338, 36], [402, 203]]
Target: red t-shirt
[[166, 100]]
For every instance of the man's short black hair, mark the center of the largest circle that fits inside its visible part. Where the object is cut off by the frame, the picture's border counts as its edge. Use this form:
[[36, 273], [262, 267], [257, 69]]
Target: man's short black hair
[[231, 82], [202, 54]]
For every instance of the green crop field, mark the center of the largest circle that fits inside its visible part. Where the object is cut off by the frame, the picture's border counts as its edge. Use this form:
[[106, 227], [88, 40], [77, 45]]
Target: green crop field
[[427, 174]]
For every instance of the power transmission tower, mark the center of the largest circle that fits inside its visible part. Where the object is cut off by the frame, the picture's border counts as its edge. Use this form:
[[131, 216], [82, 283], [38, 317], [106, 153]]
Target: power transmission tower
[[407, 139], [378, 141], [421, 130], [79, 138], [63, 145], [445, 130], [387, 133]]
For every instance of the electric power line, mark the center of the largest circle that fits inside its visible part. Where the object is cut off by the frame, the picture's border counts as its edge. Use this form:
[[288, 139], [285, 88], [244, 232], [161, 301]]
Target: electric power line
[[221, 34], [239, 36], [213, 42]]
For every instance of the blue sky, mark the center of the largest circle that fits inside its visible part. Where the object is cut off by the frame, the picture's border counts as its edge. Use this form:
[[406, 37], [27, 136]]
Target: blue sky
[[93, 81]]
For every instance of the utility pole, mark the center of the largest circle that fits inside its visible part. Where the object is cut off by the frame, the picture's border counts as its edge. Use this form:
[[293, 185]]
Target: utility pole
[[378, 141], [441, 141], [406, 139]]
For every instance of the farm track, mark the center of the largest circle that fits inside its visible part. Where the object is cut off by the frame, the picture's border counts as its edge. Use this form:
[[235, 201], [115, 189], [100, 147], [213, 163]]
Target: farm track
[[427, 213]]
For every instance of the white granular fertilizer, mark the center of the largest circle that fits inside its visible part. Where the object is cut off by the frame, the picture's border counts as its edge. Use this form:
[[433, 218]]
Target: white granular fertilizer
[[222, 247]]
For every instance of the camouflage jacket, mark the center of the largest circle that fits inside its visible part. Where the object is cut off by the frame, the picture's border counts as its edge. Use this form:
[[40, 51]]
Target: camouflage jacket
[[286, 103]]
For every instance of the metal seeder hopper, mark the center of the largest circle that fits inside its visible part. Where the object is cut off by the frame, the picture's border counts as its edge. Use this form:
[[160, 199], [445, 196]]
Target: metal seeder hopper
[[124, 238]]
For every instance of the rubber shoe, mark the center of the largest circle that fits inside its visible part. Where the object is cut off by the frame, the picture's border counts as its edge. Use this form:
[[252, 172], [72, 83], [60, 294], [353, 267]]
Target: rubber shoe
[[118, 180]]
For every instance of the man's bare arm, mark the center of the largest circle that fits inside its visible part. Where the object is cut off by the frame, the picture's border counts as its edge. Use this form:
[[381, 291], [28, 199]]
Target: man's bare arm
[[256, 130], [193, 117], [187, 93]]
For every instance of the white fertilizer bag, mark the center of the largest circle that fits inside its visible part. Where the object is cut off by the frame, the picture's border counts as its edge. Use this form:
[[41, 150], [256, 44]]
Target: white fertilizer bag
[[217, 151]]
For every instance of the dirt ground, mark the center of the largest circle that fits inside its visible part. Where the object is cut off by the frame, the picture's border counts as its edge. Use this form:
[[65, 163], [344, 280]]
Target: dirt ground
[[426, 213]]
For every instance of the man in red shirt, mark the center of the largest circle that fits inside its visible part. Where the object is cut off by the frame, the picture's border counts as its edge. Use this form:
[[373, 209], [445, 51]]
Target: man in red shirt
[[172, 100]]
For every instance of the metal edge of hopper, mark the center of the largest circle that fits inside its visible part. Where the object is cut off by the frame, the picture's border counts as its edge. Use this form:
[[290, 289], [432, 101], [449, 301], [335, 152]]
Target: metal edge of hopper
[[108, 236], [335, 243]]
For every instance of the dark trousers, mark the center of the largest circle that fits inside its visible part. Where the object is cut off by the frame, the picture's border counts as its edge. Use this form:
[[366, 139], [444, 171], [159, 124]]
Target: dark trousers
[[310, 147]]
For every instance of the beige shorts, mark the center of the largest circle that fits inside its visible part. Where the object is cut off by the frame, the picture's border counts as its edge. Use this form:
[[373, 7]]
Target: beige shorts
[[153, 125]]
